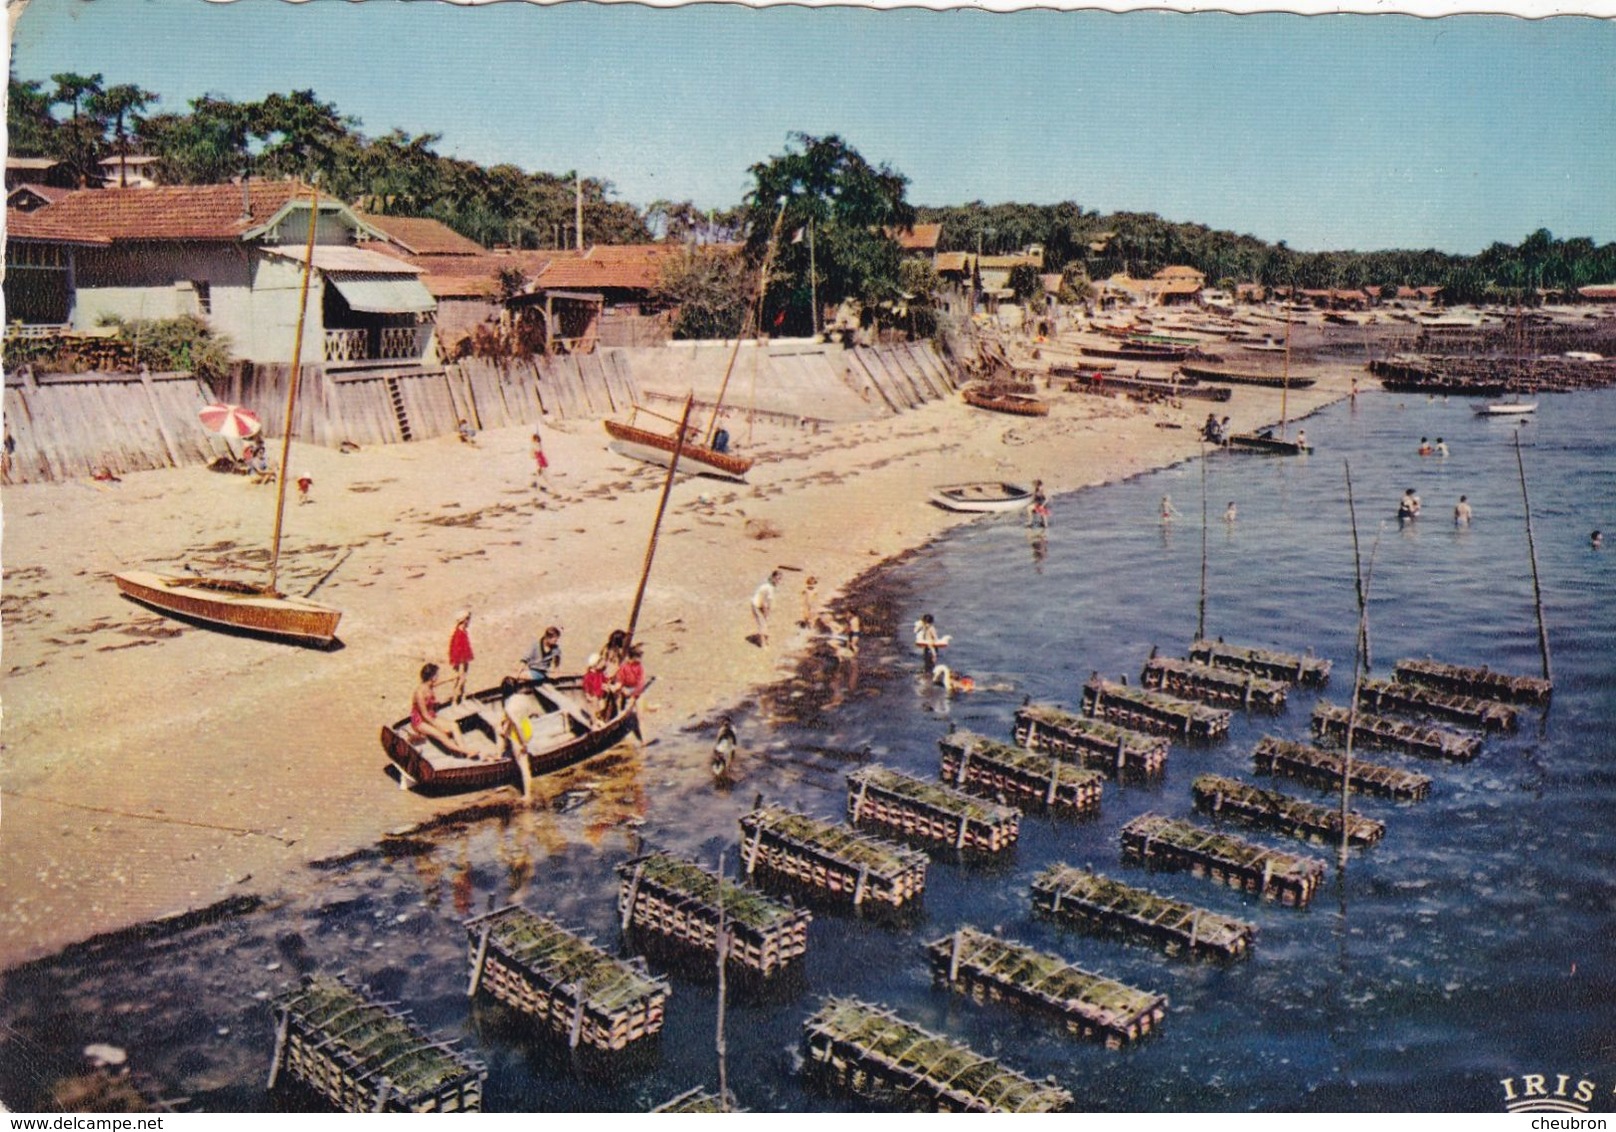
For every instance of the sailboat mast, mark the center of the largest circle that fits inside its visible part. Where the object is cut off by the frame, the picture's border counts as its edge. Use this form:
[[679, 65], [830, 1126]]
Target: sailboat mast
[[1285, 378], [291, 385], [754, 317], [656, 525]]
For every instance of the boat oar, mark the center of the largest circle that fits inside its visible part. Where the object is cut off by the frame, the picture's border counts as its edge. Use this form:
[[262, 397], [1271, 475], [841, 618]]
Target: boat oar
[[326, 576]]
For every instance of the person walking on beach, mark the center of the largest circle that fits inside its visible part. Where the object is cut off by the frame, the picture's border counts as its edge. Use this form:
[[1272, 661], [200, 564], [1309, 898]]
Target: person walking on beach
[[1461, 512], [460, 654], [809, 610], [304, 483], [424, 713], [762, 603], [540, 462]]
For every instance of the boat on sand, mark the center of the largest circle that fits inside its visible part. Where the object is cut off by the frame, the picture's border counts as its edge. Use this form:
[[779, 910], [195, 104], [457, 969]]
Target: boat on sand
[[559, 730], [985, 498], [224, 603], [1000, 401]]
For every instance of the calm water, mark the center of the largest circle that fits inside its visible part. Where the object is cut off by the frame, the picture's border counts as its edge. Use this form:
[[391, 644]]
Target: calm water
[[1474, 943]]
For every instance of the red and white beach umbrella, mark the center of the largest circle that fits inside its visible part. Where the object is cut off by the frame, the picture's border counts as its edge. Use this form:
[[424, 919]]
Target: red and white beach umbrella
[[230, 420]]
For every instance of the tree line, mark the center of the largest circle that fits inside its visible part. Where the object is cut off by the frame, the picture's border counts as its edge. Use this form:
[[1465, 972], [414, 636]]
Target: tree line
[[834, 209]]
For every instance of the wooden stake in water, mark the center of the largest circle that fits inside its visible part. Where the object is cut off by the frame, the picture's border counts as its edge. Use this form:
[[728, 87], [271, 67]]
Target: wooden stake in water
[[1537, 586], [1357, 566], [1359, 666], [723, 954], [1200, 620]]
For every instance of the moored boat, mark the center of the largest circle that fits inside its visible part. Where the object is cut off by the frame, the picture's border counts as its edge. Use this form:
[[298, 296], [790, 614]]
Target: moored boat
[[1235, 377], [982, 497], [1266, 442], [563, 732], [998, 402], [657, 448], [1506, 408], [228, 604]]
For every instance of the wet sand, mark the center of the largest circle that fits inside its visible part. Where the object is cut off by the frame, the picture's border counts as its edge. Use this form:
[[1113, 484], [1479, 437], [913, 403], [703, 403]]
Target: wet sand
[[150, 767]]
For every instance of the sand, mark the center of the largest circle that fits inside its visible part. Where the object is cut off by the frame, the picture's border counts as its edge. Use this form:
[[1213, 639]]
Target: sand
[[150, 767]]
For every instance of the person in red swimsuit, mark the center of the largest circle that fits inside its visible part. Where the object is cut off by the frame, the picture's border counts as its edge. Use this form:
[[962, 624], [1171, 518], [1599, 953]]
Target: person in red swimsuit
[[460, 655], [627, 682], [424, 713]]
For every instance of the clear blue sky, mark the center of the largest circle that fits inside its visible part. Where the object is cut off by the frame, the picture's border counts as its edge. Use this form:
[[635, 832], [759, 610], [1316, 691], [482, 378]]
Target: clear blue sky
[[1327, 132]]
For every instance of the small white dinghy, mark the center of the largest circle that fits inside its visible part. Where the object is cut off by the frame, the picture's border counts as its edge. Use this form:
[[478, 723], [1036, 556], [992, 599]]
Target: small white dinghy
[[1506, 408], [982, 497]]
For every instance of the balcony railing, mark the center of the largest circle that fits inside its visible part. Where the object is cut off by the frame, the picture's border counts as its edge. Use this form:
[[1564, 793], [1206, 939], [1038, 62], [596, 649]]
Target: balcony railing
[[355, 346]]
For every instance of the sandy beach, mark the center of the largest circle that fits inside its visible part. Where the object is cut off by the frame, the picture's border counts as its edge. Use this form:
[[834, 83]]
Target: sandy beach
[[150, 767]]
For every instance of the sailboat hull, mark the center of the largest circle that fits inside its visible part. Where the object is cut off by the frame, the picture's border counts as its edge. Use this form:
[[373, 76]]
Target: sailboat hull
[[232, 605], [655, 448]]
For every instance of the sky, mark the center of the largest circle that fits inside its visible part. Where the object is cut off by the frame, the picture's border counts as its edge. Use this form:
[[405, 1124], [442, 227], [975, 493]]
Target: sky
[[1355, 132]]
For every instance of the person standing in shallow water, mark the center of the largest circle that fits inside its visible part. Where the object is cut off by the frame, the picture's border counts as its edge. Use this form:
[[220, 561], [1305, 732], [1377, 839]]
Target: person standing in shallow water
[[1461, 512]]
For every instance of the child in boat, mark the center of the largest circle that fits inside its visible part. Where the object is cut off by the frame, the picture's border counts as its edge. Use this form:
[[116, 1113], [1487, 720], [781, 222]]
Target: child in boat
[[626, 684], [594, 684], [544, 658], [424, 713]]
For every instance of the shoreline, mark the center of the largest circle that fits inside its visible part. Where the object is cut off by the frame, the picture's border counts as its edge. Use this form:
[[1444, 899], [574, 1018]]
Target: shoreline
[[274, 771]]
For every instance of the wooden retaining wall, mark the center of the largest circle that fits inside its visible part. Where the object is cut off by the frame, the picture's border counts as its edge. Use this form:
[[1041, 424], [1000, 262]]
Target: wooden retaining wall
[[71, 425]]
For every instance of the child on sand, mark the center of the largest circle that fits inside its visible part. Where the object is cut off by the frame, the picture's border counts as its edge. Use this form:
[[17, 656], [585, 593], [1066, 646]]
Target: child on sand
[[304, 483], [460, 654]]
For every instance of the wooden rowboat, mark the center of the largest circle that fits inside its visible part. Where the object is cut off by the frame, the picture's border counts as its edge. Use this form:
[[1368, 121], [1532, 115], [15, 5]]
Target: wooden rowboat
[[1006, 402], [1267, 443], [657, 448], [982, 497], [563, 733], [223, 603]]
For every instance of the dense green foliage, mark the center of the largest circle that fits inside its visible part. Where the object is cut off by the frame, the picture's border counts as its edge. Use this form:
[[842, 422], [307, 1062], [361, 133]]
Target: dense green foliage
[[834, 243], [838, 207]]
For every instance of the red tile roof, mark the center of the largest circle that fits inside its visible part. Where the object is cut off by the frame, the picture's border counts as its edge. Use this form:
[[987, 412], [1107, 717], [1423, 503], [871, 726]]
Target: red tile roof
[[636, 267], [167, 212], [420, 235], [50, 194], [920, 238]]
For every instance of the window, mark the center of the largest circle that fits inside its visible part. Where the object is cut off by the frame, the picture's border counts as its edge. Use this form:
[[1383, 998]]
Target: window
[[204, 296]]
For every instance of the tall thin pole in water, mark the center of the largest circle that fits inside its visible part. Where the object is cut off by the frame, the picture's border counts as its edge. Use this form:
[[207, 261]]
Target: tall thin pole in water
[[722, 943], [656, 525], [1200, 621], [1357, 565], [1537, 585]]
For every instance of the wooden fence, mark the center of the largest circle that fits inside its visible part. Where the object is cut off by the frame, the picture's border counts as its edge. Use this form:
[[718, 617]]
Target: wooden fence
[[72, 425]]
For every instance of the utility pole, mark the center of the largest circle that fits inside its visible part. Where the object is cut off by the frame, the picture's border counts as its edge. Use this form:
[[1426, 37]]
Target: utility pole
[[578, 208], [813, 278]]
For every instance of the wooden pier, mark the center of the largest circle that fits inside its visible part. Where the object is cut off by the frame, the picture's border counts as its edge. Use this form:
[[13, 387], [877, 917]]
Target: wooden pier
[[870, 1051], [1091, 743], [1155, 840], [1293, 668], [1089, 1005], [1481, 682], [830, 860], [1017, 775], [563, 981], [1156, 712], [365, 1056], [1420, 699], [1222, 687], [1272, 809], [1323, 769], [1092, 902], [929, 812], [678, 901], [1330, 724]]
